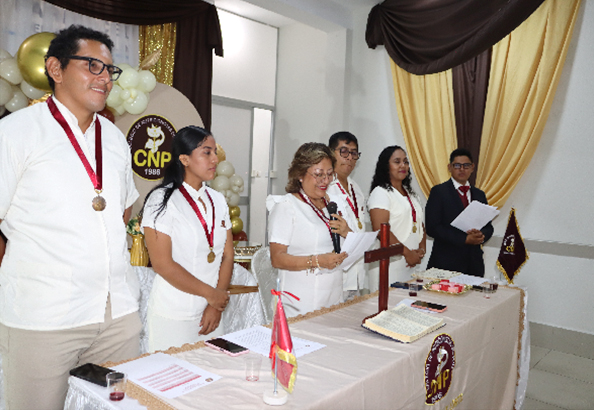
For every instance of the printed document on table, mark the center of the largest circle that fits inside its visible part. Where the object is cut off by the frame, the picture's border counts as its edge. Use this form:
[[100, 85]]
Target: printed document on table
[[475, 216], [257, 339], [165, 375], [355, 245], [469, 280]]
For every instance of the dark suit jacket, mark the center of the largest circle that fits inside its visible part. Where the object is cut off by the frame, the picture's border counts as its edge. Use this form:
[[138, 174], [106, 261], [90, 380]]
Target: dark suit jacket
[[449, 250]]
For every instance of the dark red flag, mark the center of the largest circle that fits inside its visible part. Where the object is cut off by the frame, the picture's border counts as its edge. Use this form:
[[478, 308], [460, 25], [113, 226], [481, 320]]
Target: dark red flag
[[513, 254]]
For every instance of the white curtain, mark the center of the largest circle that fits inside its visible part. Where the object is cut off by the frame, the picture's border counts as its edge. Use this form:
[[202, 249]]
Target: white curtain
[[21, 18]]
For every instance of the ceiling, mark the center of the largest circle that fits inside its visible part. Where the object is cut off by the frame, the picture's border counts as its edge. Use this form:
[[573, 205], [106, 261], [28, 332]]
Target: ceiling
[[326, 15]]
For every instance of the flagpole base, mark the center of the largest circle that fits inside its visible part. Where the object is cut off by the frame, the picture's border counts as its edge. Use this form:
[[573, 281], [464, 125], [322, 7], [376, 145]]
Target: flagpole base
[[275, 399]]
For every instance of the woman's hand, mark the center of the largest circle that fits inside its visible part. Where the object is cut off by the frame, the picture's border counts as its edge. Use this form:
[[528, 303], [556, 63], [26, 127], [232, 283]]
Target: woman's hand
[[330, 260], [339, 226], [411, 256], [218, 299], [210, 320]]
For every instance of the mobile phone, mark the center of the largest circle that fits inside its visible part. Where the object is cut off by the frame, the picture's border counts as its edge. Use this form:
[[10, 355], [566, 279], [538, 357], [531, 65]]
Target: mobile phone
[[92, 373], [399, 285], [429, 306], [226, 346]]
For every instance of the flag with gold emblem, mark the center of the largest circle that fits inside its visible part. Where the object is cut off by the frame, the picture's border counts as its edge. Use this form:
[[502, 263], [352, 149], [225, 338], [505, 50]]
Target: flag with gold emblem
[[513, 254]]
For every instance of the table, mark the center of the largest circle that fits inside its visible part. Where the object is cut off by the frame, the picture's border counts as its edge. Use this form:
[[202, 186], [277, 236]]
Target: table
[[361, 370]]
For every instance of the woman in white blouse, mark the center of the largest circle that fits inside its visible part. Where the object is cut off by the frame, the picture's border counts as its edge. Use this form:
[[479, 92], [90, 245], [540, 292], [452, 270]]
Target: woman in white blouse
[[392, 200], [188, 235], [300, 233]]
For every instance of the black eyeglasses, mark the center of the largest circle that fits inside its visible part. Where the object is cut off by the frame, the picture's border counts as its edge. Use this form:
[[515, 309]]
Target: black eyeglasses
[[97, 66], [459, 166], [344, 152]]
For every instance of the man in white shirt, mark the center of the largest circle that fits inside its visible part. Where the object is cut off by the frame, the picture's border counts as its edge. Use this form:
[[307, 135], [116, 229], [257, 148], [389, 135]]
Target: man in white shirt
[[68, 294], [349, 198], [454, 249]]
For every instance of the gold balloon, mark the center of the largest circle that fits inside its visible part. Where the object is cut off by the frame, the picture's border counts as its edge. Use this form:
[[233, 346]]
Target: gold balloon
[[236, 225], [221, 153], [234, 212], [31, 59]]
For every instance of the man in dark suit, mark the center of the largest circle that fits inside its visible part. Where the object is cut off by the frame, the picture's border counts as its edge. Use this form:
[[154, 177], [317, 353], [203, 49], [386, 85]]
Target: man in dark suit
[[454, 249]]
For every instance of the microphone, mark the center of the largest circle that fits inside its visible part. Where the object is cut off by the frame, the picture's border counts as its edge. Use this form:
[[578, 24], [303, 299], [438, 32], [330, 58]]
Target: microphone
[[332, 209]]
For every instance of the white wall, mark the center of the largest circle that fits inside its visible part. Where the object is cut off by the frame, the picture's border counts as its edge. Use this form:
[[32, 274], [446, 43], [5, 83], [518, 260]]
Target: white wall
[[310, 92]]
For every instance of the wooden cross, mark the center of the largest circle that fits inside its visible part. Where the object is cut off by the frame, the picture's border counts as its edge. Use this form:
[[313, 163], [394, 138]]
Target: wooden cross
[[383, 255]]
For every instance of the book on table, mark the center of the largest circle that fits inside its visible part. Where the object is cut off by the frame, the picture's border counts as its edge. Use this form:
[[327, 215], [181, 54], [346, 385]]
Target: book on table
[[403, 323]]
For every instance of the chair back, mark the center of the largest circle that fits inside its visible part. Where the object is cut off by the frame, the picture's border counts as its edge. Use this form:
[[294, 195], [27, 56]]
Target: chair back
[[266, 276]]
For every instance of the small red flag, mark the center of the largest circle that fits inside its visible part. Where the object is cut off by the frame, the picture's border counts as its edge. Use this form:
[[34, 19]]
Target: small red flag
[[281, 346], [513, 254]]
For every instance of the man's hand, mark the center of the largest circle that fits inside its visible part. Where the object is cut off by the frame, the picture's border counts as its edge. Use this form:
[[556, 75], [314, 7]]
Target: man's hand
[[210, 320], [474, 237]]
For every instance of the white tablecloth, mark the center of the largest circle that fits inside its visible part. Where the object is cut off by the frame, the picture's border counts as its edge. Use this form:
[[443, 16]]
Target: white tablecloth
[[359, 369]]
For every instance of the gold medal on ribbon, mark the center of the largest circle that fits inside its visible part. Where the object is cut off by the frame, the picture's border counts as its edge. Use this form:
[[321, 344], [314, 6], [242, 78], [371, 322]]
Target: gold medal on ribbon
[[414, 228], [99, 203], [360, 224], [211, 256]]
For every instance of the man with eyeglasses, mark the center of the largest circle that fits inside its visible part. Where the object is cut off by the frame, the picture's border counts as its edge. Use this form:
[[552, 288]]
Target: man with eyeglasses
[[68, 294], [344, 189], [453, 249]]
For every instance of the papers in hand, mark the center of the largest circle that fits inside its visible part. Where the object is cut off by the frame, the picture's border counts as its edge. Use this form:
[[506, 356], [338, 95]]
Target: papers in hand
[[475, 216], [355, 245], [257, 340]]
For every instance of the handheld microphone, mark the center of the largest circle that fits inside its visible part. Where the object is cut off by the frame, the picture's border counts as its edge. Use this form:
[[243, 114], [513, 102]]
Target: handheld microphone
[[332, 209]]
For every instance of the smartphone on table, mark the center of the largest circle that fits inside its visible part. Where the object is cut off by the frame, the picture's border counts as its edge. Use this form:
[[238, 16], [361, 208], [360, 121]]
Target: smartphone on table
[[92, 373], [434, 307], [226, 346]]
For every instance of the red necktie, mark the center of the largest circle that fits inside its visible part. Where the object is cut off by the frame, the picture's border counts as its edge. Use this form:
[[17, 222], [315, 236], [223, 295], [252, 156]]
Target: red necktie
[[464, 189]]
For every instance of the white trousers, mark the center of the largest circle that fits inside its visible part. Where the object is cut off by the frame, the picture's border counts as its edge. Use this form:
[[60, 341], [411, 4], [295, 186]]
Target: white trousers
[[164, 333]]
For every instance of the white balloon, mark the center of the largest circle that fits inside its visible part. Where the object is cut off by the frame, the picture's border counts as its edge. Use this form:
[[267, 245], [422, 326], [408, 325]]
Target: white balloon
[[138, 105], [233, 199], [18, 101], [30, 91], [129, 78], [220, 183], [124, 66], [228, 194], [235, 188], [2, 110], [5, 92], [120, 109], [133, 93], [9, 70], [4, 54], [225, 168], [125, 95], [236, 180], [241, 189], [113, 99], [146, 81]]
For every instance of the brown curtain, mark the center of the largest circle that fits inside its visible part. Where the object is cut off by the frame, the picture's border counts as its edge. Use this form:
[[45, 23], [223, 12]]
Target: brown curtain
[[470, 82], [429, 36], [198, 33]]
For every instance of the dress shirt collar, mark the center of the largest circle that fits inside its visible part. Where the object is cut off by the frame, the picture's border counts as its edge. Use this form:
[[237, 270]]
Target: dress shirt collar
[[458, 185], [71, 118], [193, 193]]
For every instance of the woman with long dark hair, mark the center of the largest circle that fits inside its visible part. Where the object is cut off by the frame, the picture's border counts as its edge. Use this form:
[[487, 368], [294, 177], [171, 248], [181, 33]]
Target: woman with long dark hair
[[188, 235], [392, 200]]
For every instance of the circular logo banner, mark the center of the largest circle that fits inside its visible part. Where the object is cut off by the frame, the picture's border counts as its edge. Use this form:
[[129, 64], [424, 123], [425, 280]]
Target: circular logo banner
[[438, 368], [150, 139]]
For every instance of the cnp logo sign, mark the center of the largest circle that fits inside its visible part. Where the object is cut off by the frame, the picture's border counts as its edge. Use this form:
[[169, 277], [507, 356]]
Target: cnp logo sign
[[150, 139]]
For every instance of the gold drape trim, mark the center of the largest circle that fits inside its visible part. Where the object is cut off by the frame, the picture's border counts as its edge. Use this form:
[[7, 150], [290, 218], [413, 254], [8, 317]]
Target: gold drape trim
[[525, 70], [152, 38], [425, 107]]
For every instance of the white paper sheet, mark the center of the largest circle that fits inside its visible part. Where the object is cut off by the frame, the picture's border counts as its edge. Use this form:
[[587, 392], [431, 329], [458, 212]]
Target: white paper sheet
[[166, 376], [469, 280], [475, 216], [355, 245], [257, 339]]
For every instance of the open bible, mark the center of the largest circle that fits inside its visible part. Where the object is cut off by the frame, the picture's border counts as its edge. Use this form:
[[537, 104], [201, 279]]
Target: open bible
[[403, 323]]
